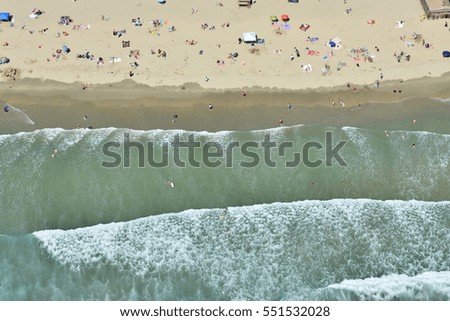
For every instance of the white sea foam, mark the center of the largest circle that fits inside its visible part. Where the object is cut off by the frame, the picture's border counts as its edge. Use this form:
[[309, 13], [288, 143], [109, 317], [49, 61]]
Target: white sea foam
[[269, 251], [425, 286]]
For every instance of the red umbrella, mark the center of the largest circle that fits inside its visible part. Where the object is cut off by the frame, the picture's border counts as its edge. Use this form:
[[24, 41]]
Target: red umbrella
[[284, 17]]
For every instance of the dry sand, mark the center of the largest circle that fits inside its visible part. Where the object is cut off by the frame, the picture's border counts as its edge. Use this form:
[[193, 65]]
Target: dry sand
[[183, 64]]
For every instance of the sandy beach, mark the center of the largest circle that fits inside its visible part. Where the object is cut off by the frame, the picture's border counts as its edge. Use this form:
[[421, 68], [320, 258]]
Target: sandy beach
[[369, 36], [184, 56]]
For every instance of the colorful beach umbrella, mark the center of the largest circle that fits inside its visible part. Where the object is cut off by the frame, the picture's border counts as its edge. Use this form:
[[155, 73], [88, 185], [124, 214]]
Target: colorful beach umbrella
[[273, 18], [284, 17]]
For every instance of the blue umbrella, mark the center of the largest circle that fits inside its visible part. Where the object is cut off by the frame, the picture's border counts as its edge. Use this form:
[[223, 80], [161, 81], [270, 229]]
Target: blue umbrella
[[332, 44], [446, 54]]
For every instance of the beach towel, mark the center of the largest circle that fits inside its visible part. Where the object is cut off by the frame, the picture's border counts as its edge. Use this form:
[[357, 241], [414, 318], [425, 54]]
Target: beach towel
[[286, 27], [313, 39], [304, 27], [307, 68]]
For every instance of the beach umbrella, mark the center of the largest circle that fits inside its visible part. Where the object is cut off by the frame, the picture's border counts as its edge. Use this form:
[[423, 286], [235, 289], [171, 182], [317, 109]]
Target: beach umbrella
[[162, 1], [284, 17], [273, 18], [66, 49], [332, 44], [446, 54]]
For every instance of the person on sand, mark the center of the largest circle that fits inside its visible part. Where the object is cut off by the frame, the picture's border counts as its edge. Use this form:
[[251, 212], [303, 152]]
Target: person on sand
[[244, 94], [289, 106], [281, 121], [210, 107], [6, 108]]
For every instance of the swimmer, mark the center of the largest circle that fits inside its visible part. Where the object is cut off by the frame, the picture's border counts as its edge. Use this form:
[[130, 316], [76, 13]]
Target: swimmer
[[413, 145], [170, 183], [414, 121], [386, 132]]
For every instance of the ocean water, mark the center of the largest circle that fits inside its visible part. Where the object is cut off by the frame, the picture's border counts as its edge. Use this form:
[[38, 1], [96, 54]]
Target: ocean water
[[374, 228]]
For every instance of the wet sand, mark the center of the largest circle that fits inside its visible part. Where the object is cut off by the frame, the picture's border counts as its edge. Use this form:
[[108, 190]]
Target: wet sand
[[129, 105]]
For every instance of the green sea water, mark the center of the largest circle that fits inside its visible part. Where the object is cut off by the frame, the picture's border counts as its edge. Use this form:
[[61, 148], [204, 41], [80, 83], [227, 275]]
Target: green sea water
[[375, 226]]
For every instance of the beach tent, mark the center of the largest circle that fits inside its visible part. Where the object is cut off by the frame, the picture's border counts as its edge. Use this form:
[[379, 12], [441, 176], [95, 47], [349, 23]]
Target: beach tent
[[249, 37], [5, 16], [446, 54]]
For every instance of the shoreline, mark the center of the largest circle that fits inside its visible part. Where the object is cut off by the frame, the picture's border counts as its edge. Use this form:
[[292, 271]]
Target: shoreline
[[127, 104]]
